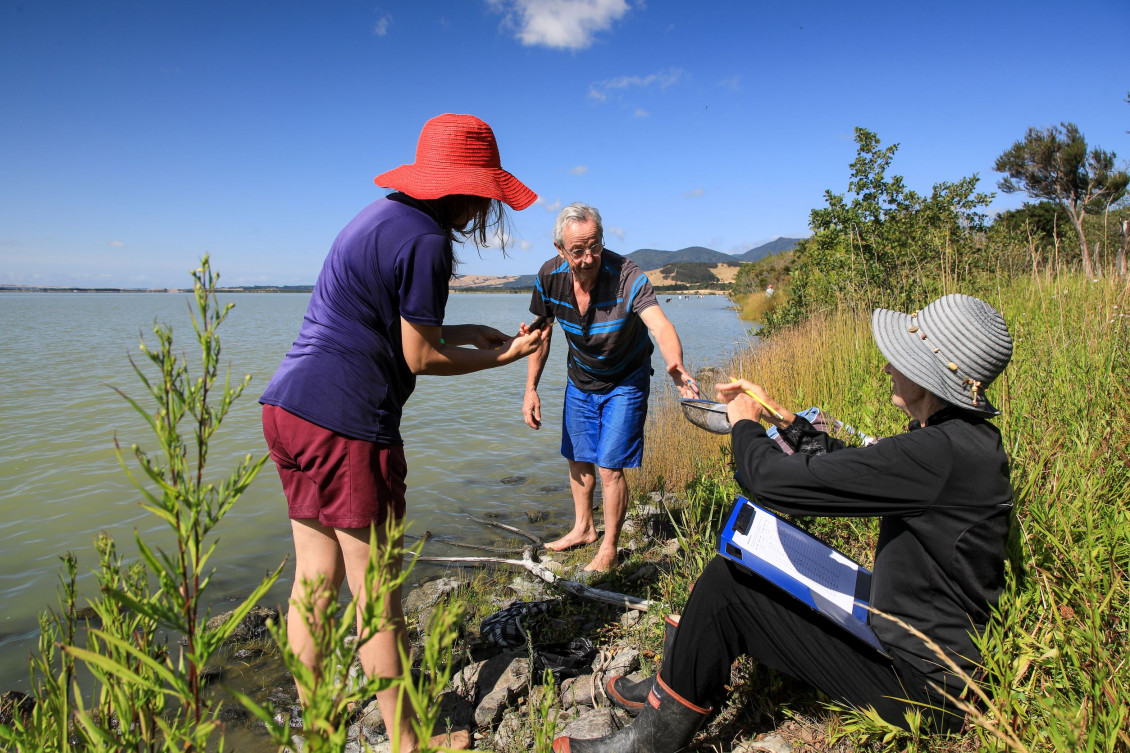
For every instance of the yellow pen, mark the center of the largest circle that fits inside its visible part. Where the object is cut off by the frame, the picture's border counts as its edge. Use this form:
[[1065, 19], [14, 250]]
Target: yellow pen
[[764, 404]]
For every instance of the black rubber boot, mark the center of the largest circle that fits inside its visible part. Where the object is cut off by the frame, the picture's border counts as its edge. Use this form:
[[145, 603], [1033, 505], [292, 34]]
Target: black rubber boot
[[630, 695], [665, 725]]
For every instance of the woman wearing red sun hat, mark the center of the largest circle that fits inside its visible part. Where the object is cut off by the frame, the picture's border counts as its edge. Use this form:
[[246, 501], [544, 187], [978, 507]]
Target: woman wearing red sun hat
[[331, 413]]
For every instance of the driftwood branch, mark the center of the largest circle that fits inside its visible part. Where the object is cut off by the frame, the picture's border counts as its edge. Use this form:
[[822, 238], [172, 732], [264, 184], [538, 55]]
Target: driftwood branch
[[541, 571], [536, 539], [547, 575], [491, 549]]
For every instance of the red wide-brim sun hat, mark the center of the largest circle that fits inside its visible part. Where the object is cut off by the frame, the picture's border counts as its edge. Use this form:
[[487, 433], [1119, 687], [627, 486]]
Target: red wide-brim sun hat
[[457, 154]]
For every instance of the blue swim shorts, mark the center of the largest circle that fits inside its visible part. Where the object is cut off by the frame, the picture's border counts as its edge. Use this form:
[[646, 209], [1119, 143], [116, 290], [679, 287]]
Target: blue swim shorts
[[607, 428]]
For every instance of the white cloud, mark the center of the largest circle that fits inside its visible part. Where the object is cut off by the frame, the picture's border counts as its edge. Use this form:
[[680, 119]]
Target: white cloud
[[116, 244], [613, 230], [498, 239], [559, 24], [693, 192], [525, 245], [734, 83], [578, 170], [602, 90], [380, 28], [554, 207], [641, 113]]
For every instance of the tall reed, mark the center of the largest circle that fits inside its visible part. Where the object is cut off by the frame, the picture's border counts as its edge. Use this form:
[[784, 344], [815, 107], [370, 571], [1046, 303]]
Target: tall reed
[[753, 307], [1058, 654]]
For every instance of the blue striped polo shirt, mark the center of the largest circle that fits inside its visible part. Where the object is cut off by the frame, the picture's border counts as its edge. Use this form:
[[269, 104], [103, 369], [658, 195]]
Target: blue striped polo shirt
[[610, 342]]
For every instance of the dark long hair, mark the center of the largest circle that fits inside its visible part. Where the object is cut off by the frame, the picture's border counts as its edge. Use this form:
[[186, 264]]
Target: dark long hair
[[487, 218]]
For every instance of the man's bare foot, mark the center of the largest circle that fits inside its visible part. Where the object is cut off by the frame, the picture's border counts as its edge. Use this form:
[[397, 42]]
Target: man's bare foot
[[457, 739], [602, 562], [572, 539]]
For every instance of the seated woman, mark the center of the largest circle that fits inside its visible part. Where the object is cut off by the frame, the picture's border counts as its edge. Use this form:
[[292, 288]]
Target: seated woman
[[943, 495]]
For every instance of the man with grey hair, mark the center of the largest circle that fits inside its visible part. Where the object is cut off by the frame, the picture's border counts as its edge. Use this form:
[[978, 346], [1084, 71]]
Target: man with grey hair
[[606, 307]]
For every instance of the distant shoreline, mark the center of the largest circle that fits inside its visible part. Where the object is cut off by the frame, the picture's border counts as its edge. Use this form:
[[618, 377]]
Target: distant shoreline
[[308, 289], [67, 289], [258, 289], [663, 269]]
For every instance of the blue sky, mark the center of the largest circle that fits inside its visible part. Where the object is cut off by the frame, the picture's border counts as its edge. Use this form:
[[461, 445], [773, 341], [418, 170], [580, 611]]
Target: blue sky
[[138, 136]]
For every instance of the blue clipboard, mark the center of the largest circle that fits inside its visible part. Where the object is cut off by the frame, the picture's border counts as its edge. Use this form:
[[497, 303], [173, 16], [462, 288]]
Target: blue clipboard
[[801, 565]]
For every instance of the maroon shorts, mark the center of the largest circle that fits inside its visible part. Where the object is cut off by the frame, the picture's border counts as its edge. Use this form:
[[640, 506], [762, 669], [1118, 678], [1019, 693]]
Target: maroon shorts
[[343, 482]]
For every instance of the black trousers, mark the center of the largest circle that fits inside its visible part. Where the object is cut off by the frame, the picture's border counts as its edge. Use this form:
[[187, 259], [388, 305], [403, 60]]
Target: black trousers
[[733, 613]]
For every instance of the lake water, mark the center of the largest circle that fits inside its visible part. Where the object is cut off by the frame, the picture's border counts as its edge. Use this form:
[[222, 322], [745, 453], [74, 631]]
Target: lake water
[[60, 483]]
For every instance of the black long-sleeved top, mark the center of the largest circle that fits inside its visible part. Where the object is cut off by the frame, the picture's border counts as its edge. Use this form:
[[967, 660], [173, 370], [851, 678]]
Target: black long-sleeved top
[[944, 498]]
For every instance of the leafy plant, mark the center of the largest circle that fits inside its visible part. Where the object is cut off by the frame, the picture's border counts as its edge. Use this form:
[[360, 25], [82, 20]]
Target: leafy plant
[[148, 696], [543, 713], [883, 244]]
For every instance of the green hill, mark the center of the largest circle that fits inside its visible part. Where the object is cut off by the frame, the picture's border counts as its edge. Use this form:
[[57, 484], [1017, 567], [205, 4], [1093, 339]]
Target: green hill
[[650, 258], [522, 281], [775, 246]]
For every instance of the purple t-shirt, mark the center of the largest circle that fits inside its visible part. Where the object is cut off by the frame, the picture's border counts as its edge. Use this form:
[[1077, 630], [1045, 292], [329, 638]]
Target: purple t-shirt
[[346, 371]]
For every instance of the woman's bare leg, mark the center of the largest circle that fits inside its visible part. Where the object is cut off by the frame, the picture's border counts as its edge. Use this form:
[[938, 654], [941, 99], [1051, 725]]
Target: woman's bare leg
[[317, 557], [380, 652], [334, 555]]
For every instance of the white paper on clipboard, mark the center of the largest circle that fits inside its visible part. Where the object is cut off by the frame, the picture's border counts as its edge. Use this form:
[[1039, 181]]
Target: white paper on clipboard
[[824, 570]]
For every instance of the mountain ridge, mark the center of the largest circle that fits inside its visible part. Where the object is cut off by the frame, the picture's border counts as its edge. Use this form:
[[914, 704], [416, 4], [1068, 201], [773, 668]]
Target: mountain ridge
[[650, 259]]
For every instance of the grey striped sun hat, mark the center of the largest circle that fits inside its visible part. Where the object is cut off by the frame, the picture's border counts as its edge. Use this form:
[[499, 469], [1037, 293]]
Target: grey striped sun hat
[[955, 348]]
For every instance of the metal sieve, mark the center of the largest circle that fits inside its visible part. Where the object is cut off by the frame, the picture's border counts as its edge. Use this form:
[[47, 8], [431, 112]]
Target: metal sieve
[[706, 414]]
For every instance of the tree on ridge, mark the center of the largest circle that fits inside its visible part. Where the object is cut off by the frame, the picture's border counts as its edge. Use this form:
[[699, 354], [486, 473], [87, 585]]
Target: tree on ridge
[[1056, 165]]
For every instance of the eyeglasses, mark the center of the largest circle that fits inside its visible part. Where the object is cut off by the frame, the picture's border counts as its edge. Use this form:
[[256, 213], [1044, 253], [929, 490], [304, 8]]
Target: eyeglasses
[[579, 253]]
